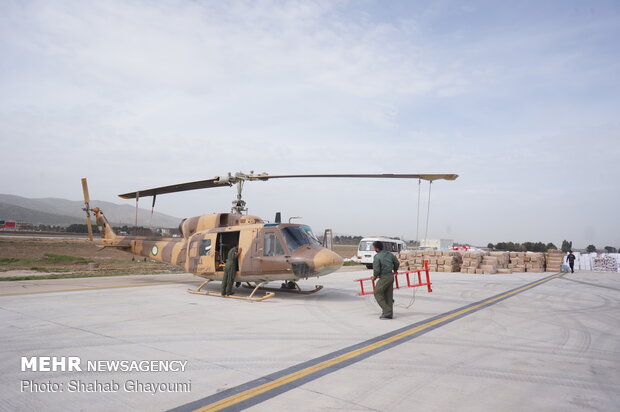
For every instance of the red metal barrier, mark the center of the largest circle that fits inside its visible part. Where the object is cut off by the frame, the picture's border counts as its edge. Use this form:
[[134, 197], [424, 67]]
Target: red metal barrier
[[427, 283]]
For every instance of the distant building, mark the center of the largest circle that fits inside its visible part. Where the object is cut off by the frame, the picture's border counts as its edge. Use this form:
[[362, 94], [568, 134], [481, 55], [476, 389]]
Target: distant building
[[437, 243], [7, 225], [11, 225], [25, 226]]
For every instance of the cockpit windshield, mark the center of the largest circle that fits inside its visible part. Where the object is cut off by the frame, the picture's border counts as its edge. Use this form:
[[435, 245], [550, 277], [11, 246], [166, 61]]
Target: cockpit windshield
[[296, 236]]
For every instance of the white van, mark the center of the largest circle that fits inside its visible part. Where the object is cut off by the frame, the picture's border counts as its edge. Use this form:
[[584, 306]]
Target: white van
[[366, 252]]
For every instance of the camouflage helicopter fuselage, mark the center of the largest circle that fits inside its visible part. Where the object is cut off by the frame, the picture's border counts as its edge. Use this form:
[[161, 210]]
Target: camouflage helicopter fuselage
[[269, 252]]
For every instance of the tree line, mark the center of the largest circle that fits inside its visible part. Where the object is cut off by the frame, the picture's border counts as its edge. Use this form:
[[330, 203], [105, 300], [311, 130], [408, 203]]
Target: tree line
[[542, 247], [120, 230], [347, 240]]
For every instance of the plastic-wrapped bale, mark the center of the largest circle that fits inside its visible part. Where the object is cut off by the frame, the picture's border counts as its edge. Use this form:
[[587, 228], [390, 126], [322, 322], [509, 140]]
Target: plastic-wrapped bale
[[555, 258], [535, 262], [471, 261], [457, 261], [414, 260], [450, 261], [403, 258], [490, 264], [617, 257], [604, 263], [415, 264], [430, 255], [435, 260], [586, 261], [517, 262], [502, 259], [583, 261], [488, 269]]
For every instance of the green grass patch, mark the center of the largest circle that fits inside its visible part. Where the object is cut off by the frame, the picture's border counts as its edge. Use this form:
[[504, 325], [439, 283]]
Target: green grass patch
[[19, 261], [47, 259], [52, 258], [41, 269]]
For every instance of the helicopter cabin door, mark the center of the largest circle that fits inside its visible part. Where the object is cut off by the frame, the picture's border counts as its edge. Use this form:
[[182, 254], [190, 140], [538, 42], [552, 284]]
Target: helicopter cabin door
[[224, 242], [202, 254], [272, 257]]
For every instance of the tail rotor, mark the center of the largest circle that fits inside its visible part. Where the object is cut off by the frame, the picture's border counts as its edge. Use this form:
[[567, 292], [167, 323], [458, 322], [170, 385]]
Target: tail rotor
[[87, 208]]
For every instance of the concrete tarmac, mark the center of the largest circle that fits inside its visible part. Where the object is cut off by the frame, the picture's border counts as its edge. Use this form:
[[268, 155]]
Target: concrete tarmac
[[555, 346]]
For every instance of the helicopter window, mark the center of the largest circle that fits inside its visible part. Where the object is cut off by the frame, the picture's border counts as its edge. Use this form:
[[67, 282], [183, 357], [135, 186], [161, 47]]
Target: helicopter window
[[297, 236], [273, 247], [205, 247]]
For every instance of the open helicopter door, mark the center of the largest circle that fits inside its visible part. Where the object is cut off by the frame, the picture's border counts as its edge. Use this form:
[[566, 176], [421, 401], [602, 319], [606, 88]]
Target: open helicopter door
[[223, 243]]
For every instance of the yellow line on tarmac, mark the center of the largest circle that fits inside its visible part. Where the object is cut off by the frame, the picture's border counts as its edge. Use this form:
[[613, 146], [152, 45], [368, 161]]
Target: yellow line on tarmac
[[135, 285], [250, 393]]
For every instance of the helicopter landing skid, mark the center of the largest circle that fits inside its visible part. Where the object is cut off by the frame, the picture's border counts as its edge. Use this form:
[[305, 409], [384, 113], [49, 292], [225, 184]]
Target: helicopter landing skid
[[290, 287], [199, 291]]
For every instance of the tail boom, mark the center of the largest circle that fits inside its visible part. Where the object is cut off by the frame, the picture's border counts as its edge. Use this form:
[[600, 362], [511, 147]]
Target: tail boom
[[108, 237]]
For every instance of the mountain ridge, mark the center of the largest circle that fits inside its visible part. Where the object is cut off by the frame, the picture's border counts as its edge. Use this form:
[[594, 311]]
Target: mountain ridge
[[53, 211]]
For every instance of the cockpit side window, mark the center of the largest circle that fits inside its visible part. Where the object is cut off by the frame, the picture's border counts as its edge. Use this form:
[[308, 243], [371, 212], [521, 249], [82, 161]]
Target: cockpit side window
[[272, 246], [205, 247]]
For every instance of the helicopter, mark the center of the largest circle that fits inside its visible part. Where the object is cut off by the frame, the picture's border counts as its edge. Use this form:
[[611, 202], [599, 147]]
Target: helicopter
[[287, 252]]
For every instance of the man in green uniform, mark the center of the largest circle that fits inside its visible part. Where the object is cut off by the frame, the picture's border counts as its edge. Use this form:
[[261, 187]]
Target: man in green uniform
[[230, 271], [384, 265]]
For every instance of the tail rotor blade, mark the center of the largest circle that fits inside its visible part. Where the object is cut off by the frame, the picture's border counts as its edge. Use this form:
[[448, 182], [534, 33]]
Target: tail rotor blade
[[85, 190], [87, 208]]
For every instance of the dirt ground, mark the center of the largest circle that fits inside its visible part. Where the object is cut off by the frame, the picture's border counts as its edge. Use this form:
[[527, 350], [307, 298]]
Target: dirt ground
[[32, 257], [23, 258], [346, 251]]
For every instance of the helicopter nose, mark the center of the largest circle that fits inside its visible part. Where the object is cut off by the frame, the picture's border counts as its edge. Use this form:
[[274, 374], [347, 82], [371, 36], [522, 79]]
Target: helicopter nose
[[327, 261]]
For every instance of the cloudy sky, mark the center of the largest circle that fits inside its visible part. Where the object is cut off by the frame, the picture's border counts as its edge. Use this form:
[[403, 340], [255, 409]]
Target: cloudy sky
[[521, 99]]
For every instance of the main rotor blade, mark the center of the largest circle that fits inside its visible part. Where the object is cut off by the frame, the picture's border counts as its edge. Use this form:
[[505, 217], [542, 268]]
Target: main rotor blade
[[231, 179], [200, 184], [429, 177]]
